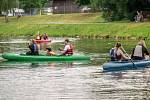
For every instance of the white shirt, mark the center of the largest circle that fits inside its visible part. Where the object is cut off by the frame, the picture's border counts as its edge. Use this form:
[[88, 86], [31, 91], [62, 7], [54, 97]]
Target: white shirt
[[67, 47]]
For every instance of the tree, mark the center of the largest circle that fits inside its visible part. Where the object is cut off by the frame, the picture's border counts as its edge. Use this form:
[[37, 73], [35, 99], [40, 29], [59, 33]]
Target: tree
[[82, 2], [137, 5], [40, 4], [28, 4], [117, 9], [6, 5]]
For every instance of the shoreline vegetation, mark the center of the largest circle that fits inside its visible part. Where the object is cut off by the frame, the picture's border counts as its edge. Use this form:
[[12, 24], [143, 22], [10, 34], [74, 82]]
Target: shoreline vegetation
[[90, 25]]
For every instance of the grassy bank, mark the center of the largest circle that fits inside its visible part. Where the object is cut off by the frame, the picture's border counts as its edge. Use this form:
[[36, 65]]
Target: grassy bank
[[72, 25]]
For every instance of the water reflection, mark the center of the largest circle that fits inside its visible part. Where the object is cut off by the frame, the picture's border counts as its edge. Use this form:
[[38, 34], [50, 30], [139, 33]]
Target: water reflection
[[49, 64]]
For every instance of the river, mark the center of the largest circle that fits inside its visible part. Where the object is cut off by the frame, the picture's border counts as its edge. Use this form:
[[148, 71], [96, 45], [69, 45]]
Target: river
[[76, 80]]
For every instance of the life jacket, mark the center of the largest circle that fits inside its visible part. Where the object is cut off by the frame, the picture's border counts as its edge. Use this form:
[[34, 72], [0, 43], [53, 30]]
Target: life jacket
[[45, 37], [69, 51], [138, 52], [113, 55], [35, 47]]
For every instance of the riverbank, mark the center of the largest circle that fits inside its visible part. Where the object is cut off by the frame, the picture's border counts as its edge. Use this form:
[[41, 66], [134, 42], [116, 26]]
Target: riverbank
[[73, 25]]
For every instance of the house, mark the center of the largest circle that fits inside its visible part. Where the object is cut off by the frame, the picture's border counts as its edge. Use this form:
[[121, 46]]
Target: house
[[65, 6]]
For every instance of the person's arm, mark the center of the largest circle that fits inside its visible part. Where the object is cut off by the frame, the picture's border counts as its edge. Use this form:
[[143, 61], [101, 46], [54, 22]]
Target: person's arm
[[132, 53], [123, 55], [145, 51], [65, 49]]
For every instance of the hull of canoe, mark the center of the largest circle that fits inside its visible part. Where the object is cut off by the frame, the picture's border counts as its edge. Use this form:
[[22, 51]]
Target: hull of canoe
[[125, 65], [42, 41], [18, 57]]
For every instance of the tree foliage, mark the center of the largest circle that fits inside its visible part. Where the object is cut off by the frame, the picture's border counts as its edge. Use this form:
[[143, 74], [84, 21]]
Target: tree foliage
[[33, 3], [82, 2], [117, 9], [6, 5], [27, 4]]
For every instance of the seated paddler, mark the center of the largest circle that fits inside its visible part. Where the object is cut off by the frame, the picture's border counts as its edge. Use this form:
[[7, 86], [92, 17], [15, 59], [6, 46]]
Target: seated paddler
[[117, 53], [68, 48], [33, 48], [140, 52]]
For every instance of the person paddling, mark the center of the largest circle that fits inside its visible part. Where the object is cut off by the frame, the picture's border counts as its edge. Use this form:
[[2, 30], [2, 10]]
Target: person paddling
[[45, 36], [50, 52], [68, 49], [117, 53], [140, 52], [38, 36], [33, 48]]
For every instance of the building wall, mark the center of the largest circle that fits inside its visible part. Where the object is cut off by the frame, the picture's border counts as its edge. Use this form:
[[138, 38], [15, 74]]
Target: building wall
[[65, 6]]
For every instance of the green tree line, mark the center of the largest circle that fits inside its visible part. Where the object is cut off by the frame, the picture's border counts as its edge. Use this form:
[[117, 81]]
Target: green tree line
[[117, 9], [6, 5]]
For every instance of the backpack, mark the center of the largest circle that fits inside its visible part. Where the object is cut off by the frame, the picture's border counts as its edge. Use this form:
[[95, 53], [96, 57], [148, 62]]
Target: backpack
[[113, 54]]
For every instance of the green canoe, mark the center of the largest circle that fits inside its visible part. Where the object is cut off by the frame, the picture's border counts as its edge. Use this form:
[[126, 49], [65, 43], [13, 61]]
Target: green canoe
[[23, 57]]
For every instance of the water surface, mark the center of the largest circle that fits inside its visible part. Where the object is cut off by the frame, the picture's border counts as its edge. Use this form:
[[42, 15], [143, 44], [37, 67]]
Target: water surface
[[76, 80]]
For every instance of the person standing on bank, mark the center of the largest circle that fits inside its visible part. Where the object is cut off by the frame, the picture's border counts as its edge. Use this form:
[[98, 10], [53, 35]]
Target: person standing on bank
[[140, 52]]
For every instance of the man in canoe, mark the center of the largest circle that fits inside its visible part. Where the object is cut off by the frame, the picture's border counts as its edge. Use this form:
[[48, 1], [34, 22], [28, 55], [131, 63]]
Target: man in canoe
[[117, 53], [140, 52], [33, 48], [68, 49]]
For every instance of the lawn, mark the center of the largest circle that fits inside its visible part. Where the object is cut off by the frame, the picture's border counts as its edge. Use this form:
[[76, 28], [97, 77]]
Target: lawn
[[90, 25]]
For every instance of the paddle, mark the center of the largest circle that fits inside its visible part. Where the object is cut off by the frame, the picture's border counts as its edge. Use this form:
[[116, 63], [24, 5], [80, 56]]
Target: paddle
[[128, 57]]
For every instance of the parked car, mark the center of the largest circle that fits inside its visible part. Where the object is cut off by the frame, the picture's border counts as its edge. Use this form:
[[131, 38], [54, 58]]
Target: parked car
[[48, 10], [86, 9]]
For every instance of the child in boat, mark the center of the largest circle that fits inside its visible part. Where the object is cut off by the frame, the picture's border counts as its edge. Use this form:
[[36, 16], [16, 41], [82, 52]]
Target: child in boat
[[50, 52]]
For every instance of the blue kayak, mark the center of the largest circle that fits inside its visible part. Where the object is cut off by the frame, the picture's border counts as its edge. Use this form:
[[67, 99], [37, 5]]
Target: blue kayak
[[125, 65]]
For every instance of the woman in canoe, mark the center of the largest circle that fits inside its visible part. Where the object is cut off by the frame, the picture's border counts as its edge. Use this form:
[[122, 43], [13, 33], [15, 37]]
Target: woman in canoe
[[140, 52], [45, 36], [68, 49], [33, 48], [38, 36], [117, 53]]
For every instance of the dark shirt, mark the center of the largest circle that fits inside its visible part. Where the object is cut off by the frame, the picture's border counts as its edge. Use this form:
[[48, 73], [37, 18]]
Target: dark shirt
[[34, 49], [45, 37]]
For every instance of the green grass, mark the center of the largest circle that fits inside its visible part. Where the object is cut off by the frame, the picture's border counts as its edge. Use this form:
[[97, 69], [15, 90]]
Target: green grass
[[83, 25]]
